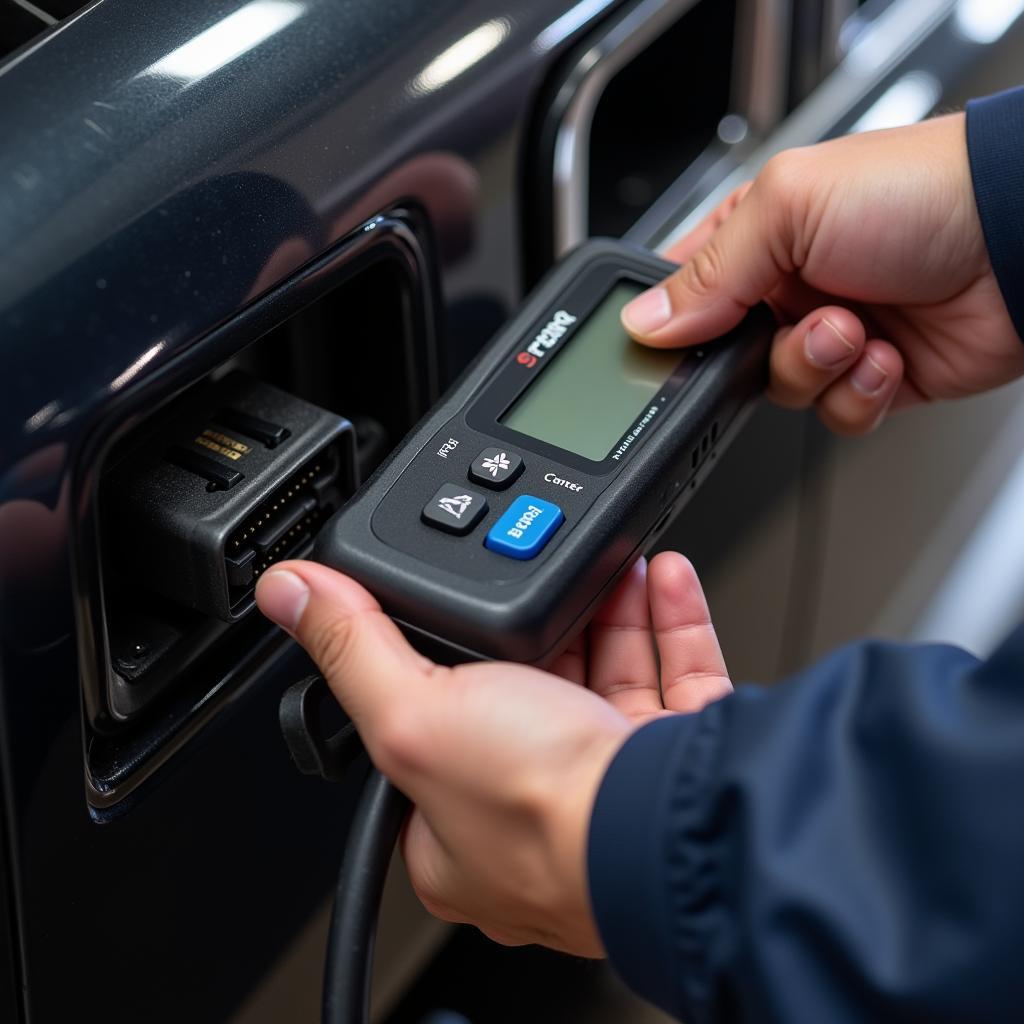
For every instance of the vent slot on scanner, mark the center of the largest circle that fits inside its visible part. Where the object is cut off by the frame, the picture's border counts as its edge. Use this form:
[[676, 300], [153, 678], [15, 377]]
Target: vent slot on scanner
[[704, 445]]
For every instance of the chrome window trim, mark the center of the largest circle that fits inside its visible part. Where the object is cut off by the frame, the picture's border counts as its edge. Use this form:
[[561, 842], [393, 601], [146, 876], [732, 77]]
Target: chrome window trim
[[758, 91], [761, 69], [877, 53], [835, 15]]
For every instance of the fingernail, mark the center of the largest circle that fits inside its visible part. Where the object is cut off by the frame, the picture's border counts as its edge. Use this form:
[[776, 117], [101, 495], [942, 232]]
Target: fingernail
[[648, 312], [825, 345], [869, 377], [282, 597]]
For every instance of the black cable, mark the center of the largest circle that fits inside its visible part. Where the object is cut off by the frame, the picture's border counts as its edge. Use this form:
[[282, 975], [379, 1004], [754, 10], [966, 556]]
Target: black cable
[[374, 832]]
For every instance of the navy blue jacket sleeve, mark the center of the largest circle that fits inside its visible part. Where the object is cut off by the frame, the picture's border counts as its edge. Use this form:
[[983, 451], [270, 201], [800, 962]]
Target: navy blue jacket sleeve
[[995, 145], [845, 847]]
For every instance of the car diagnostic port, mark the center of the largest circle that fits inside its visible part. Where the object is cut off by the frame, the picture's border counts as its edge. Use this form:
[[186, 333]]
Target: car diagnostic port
[[243, 476]]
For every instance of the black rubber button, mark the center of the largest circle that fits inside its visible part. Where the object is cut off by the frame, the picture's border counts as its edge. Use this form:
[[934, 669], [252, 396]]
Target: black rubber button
[[496, 468], [455, 509]]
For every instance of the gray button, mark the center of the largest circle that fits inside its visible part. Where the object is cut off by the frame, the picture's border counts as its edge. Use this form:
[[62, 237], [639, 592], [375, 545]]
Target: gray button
[[496, 468], [455, 509]]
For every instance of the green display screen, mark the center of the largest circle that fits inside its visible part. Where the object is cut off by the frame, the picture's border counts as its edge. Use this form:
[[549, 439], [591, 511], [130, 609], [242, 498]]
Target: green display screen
[[596, 387]]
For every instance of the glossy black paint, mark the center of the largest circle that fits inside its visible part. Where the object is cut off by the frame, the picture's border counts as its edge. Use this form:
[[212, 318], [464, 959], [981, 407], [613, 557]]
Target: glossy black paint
[[10, 994], [162, 167], [266, 161]]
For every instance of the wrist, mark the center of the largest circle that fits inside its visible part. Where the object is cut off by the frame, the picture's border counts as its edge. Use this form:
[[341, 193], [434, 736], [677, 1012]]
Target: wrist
[[570, 828], [630, 869]]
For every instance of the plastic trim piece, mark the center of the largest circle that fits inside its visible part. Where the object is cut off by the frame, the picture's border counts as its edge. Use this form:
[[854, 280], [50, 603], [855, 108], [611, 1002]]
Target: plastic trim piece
[[117, 764]]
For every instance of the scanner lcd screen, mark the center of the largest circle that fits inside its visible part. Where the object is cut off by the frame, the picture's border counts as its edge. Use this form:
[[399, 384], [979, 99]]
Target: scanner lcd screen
[[596, 386]]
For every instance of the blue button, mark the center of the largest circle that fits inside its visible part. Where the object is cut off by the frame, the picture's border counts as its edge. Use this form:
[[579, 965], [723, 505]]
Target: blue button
[[525, 528]]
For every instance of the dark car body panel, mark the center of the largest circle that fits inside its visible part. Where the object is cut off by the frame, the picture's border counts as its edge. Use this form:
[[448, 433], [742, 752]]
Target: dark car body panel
[[147, 198]]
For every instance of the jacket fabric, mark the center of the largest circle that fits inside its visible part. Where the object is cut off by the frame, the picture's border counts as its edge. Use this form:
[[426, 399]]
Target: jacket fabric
[[847, 846]]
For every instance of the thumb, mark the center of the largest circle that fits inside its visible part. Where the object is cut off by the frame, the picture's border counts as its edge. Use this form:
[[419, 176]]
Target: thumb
[[735, 268], [367, 662]]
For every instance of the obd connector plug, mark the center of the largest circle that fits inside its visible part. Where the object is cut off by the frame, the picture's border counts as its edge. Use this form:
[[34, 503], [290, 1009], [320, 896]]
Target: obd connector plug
[[240, 476]]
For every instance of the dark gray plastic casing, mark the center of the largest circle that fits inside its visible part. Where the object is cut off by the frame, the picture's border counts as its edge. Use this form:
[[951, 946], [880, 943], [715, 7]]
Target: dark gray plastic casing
[[459, 601]]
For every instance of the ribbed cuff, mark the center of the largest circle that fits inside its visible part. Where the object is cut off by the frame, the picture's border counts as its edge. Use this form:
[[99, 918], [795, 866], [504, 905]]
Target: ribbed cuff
[[628, 859], [995, 146]]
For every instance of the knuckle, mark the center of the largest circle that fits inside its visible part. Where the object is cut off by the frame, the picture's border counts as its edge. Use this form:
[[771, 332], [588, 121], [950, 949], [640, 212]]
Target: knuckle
[[794, 381], [696, 689], [433, 905], [500, 937], [847, 423], [703, 274], [532, 799], [438, 910], [786, 397], [786, 385], [425, 887], [782, 175], [785, 189], [785, 391], [429, 891]]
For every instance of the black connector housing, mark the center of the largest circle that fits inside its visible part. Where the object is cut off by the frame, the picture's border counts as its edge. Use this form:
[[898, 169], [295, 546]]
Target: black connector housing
[[240, 475]]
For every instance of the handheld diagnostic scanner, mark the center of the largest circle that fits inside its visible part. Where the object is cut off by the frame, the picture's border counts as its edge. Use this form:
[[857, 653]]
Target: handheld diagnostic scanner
[[560, 455]]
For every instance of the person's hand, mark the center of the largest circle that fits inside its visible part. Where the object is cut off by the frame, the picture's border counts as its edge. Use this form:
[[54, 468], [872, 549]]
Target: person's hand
[[503, 762], [870, 251]]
